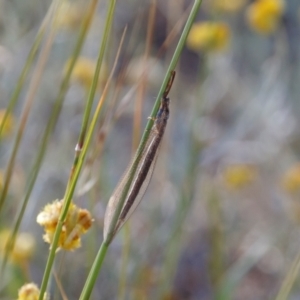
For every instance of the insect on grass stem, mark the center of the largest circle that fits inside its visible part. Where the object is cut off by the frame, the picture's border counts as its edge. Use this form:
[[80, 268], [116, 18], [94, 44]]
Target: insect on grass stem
[[143, 170]]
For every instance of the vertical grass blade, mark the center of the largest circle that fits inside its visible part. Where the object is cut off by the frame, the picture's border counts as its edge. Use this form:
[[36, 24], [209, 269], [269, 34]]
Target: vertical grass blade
[[92, 277]]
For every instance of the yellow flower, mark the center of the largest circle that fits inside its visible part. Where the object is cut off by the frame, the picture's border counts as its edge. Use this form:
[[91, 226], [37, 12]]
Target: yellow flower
[[239, 175], [291, 179], [77, 222], [84, 70], [264, 15], [8, 125], [29, 291], [23, 248], [69, 15], [228, 6], [208, 36]]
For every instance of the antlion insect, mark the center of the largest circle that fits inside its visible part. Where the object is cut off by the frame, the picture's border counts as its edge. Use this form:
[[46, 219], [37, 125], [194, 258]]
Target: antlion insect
[[144, 168]]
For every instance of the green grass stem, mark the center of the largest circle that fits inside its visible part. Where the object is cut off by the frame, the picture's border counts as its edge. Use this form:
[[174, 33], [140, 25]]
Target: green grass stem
[[92, 277], [92, 91], [12, 103], [289, 280], [32, 54], [56, 111], [30, 96], [186, 197], [71, 187], [150, 122]]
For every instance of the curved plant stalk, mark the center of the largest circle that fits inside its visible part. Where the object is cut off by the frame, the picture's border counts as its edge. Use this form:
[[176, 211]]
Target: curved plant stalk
[[187, 195], [34, 85], [289, 280], [236, 273], [151, 119], [50, 126], [216, 238], [136, 135], [125, 259], [144, 171], [32, 53], [90, 98], [75, 174], [92, 277], [142, 86]]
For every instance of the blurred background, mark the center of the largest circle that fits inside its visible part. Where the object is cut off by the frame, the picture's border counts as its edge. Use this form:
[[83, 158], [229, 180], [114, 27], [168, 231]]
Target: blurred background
[[220, 218]]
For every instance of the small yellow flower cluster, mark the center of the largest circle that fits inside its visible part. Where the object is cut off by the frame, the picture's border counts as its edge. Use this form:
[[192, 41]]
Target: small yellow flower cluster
[[23, 248], [208, 36], [291, 179], [238, 176], [84, 70], [29, 291], [264, 15], [228, 6], [8, 125], [77, 222]]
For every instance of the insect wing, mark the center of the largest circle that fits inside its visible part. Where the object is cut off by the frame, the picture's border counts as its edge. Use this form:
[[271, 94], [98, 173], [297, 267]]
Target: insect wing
[[116, 196]]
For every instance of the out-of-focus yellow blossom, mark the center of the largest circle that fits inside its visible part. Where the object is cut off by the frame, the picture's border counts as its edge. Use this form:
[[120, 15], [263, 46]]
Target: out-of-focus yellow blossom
[[23, 248], [238, 176], [208, 36], [264, 15], [84, 70], [29, 291], [228, 6], [77, 222], [69, 15], [8, 125], [291, 179]]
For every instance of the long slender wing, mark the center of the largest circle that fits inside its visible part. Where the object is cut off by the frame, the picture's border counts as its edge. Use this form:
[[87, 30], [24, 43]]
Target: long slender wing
[[142, 173], [116, 196]]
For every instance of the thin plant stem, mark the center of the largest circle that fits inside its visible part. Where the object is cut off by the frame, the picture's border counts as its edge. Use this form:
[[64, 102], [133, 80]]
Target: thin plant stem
[[289, 280], [33, 173], [150, 122], [71, 187], [56, 111], [142, 86], [16, 93], [125, 257], [87, 289], [34, 85], [32, 53], [240, 268], [187, 192], [136, 135], [187, 195], [216, 236], [92, 277], [91, 96], [60, 286]]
